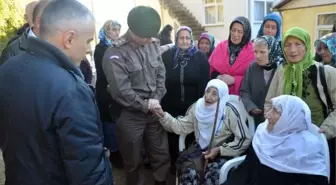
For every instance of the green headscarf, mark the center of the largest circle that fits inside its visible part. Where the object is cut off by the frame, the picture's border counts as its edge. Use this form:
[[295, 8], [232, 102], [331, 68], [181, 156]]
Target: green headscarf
[[293, 71]]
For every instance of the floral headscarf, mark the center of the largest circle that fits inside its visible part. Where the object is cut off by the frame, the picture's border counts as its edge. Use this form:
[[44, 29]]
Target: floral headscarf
[[186, 55], [210, 38], [102, 32], [293, 72], [275, 52], [328, 40]]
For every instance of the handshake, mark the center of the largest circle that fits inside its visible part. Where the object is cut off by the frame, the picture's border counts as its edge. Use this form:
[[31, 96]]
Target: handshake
[[155, 107]]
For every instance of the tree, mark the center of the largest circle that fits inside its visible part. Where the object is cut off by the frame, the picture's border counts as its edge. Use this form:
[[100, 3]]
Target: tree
[[11, 18]]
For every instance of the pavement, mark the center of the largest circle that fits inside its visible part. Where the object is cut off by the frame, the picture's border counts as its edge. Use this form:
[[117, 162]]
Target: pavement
[[120, 179]]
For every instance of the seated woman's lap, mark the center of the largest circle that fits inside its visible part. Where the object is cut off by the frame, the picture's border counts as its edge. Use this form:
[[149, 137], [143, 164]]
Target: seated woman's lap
[[190, 176]]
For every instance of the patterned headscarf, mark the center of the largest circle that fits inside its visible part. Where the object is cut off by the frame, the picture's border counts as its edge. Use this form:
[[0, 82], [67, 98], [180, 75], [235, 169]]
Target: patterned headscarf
[[274, 52], [234, 49], [329, 41], [210, 38], [184, 55], [293, 71], [272, 17], [102, 32]]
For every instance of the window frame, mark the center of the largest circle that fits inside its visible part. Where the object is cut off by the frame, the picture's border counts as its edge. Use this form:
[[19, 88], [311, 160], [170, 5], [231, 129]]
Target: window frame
[[265, 10], [322, 27], [215, 4]]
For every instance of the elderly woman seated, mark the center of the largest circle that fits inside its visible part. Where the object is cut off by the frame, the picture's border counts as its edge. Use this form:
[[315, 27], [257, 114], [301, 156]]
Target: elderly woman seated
[[231, 136], [287, 149]]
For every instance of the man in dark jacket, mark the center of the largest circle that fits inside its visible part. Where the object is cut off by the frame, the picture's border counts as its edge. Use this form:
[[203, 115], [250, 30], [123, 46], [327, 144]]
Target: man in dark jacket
[[19, 45], [53, 134], [29, 21]]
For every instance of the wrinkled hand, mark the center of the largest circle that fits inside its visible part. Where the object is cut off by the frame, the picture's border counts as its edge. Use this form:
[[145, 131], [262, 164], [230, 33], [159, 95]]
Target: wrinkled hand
[[153, 104], [212, 153], [159, 112], [229, 80], [256, 111]]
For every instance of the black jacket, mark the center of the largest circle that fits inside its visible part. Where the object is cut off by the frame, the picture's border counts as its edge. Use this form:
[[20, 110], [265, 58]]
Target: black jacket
[[16, 47], [195, 78], [108, 108], [252, 172], [50, 121]]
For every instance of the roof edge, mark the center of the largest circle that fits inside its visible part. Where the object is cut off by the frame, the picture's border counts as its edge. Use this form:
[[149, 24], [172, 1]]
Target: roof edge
[[281, 4]]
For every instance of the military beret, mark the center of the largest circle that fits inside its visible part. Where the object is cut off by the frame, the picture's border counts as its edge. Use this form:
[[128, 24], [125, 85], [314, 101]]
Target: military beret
[[144, 21]]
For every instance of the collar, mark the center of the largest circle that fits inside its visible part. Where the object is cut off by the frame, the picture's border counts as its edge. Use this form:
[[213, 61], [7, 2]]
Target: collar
[[132, 42], [31, 33], [41, 48], [23, 40]]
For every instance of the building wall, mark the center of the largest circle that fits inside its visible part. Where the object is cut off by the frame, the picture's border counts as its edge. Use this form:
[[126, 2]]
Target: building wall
[[232, 9], [305, 3], [307, 18]]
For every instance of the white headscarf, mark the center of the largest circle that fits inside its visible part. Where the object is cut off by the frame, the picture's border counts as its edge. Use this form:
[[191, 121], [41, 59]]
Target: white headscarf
[[293, 146], [205, 115]]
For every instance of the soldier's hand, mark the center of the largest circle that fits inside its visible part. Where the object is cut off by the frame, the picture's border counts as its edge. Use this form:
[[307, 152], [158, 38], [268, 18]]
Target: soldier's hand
[[153, 104]]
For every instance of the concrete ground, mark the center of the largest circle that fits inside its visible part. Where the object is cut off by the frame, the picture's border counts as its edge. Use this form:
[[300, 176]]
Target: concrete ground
[[119, 177]]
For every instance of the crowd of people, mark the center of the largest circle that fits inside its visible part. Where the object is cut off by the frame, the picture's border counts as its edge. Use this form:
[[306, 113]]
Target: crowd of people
[[57, 128]]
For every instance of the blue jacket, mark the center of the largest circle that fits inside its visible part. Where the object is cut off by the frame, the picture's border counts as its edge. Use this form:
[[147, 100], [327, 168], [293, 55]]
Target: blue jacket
[[50, 121]]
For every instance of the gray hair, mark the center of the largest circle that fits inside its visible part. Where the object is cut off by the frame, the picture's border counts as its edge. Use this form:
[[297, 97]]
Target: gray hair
[[39, 7], [60, 15], [260, 41]]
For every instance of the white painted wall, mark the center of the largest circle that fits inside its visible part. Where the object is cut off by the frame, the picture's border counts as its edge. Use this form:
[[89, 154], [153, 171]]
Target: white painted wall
[[232, 9]]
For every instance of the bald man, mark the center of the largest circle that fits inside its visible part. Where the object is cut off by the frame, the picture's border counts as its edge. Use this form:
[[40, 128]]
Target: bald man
[[48, 112], [19, 45], [29, 12]]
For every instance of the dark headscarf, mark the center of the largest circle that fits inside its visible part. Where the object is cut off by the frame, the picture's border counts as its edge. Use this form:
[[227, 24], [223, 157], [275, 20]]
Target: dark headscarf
[[164, 35], [211, 39], [234, 49], [184, 56], [274, 52]]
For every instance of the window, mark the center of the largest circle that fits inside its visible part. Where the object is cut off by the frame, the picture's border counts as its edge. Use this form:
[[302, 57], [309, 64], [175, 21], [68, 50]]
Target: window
[[261, 9], [324, 24], [214, 11]]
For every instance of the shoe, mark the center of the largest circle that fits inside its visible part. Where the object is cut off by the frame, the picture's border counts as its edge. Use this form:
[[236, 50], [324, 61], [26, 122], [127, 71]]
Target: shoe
[[116, 160]]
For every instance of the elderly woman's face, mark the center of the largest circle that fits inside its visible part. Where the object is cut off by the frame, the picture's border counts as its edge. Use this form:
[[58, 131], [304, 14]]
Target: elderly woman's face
[[324, 52], [270, 28], [272, 116], [295, 49], [113, 33], [211, 96], [237, 33], [261, 53], [204, 45], [184, 39]]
